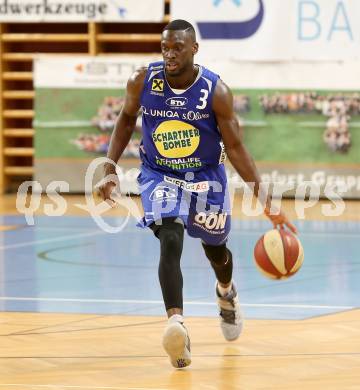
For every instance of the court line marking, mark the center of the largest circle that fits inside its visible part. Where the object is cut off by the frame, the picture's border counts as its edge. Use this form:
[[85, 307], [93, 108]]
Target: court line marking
[[56, 239], [231, 355], [100, 232], [80, 387], [157, 302]]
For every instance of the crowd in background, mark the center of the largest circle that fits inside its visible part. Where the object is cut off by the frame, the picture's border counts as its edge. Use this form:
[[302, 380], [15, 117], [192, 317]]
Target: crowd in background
[[337, 107], [107, 113], [96, 143], [241, 104], [105, 121], [310, 102], [337, 136], [99, 143]]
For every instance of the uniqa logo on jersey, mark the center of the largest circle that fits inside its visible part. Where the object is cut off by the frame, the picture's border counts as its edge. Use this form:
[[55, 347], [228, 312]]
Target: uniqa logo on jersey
[[174, 139], [231, 29]]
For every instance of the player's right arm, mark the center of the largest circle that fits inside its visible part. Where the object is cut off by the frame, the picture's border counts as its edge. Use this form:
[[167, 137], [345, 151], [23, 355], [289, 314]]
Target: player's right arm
[[237, 153], [124, 128]]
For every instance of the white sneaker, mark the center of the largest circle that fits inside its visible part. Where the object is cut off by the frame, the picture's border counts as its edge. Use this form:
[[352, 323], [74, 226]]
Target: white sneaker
[[176, 343], [231, 321]]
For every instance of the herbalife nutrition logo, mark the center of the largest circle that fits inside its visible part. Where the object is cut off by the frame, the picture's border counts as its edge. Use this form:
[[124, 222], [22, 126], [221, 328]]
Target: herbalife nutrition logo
[[47, 8]]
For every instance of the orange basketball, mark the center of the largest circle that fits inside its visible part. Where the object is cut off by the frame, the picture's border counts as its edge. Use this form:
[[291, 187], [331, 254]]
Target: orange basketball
[[278, 254]]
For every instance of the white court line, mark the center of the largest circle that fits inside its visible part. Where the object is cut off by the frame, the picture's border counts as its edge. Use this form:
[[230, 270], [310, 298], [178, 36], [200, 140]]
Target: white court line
[[48, 240], [301, 234], [198, 303], [57, 228], [79, 387], [143, 231]]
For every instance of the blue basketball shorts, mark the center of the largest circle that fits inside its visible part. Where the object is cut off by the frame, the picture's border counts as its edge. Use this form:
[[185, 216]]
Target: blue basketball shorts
[[199, 199]]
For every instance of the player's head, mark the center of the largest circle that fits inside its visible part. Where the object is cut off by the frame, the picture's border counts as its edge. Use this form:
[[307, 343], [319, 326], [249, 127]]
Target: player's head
[[178, 46]]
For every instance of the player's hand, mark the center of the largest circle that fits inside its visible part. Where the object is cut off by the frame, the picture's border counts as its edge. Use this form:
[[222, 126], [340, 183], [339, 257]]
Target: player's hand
[[105, 190], [279, 219]]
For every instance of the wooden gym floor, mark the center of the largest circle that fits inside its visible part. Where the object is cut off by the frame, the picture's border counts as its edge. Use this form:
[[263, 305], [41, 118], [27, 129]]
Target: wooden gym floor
[[82, 309]]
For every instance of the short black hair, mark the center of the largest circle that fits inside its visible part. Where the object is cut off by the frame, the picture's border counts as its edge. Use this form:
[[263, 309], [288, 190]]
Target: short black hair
[[181, 25]]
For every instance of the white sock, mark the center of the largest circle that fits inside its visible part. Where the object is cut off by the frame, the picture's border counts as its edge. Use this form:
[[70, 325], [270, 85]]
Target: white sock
[[224, 290], [176, 318]]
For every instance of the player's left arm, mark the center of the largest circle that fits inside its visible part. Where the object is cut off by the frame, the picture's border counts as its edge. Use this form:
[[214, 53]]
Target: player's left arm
[[236, 151]]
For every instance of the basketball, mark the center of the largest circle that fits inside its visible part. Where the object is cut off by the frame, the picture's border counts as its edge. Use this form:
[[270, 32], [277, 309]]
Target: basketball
[[278, 254]]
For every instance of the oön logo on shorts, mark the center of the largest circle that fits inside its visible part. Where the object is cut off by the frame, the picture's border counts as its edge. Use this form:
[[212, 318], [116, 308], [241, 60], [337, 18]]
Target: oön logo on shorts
[[211, 221], [175, 139]]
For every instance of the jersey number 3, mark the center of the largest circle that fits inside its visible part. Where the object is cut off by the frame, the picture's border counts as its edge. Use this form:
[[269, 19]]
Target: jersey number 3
[[203, 99]]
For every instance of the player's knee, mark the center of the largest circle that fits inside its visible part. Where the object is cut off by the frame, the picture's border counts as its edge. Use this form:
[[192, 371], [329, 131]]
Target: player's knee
[[171, 236], [171, 241], [217, 255]]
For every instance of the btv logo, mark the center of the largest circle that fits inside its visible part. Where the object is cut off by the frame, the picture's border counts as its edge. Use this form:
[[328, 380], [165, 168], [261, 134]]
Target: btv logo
[[161, 193], [176, 102], [231, 30]]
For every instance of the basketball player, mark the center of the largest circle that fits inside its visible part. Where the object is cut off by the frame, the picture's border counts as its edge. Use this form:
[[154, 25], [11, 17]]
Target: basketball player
[[187, 120]]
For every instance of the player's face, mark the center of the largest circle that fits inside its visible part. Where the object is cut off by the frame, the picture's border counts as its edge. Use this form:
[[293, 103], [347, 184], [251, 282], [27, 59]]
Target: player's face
[[178, 50]]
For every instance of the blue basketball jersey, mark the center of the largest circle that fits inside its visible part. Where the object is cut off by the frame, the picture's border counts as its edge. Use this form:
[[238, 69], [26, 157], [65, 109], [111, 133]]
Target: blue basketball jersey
[[180, 132]]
